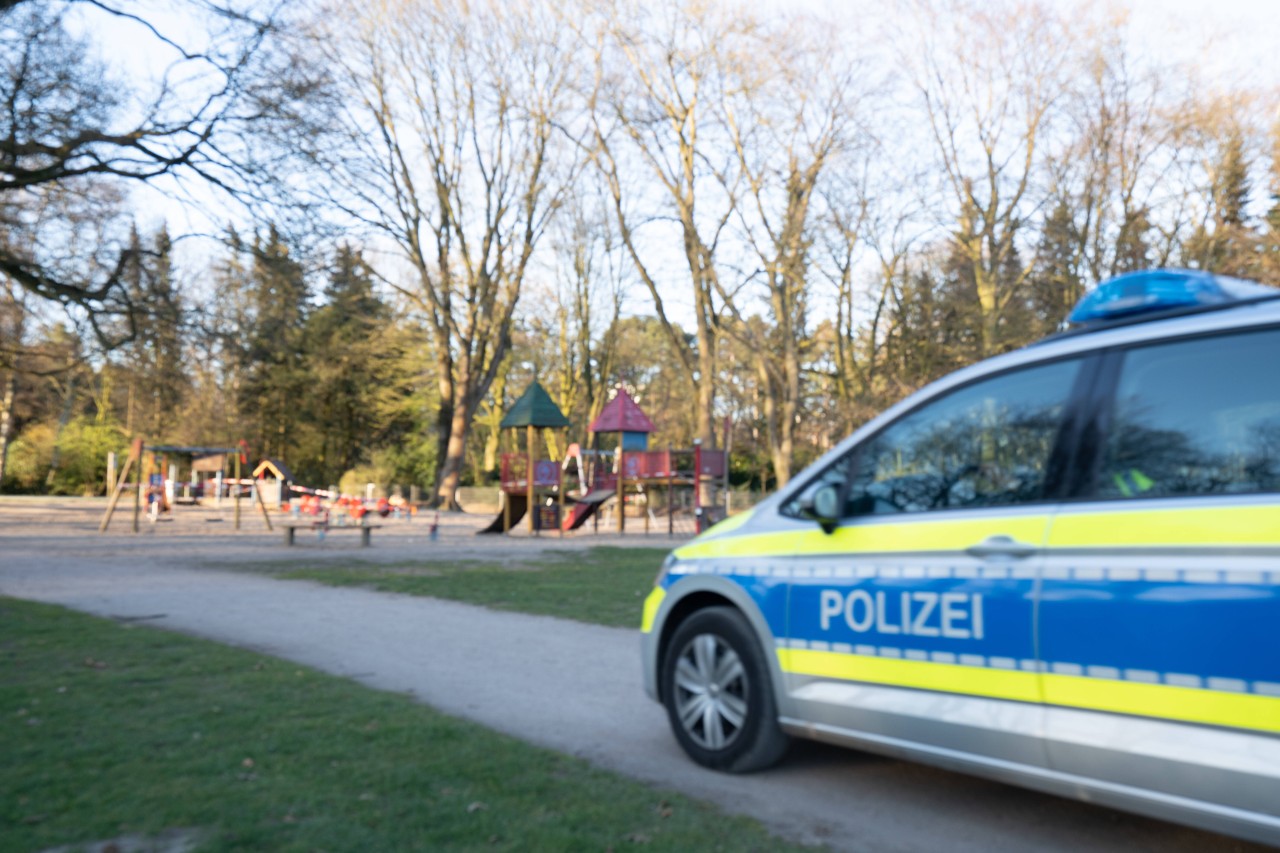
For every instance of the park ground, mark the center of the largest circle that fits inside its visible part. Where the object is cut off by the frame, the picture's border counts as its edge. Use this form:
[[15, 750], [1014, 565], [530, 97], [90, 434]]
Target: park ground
[[483, 728]]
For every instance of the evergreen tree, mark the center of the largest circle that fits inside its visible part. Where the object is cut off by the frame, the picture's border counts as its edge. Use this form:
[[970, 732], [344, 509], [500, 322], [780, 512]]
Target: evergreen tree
[[1056, 283], [1133, 247], [153, 360], [346, 342], [1225, 243], [274, 373], [1268, 267], [935, 322]]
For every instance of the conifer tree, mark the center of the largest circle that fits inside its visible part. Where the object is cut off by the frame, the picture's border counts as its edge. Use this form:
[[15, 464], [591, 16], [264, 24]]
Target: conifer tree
[[274, 372], [1057, 284], [153, 360], [1224, 242], [346, 344], [1269, 243]]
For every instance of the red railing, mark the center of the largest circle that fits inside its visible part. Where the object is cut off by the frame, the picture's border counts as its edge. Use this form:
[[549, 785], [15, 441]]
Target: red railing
[[515, 472], [660, 464], [648, 464], [636, 465], [712, 463]]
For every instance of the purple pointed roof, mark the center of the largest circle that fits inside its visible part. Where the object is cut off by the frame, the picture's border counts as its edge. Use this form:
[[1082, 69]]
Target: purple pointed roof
[[621, 414]]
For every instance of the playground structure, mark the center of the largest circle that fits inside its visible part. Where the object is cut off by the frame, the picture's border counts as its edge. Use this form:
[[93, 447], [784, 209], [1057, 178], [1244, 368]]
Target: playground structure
[[527, 482], [149, 461], [560, 491], [274, 482], [215, 474], [586, 480]]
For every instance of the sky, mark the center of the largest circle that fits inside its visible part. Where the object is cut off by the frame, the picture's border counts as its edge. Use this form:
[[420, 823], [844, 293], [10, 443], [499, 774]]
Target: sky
[[1231, 41], [1242, 35]]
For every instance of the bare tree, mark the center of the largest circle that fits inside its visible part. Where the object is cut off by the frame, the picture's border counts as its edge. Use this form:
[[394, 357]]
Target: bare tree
[[657, 79], [588, 299], [1121, 166], [13, 321], [989, 77], [450, 115], [74, 139], [790, 111], [869, 242]]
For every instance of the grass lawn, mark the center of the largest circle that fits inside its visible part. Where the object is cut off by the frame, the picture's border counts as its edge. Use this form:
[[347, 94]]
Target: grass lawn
[[113, 730], [602, 585]]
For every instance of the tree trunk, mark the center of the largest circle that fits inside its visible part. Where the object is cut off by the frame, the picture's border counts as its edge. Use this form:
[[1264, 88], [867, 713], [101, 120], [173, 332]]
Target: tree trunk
[[707, 391], [444, 431], [63, 420], [451, 470], [987, 302], [454, 423], [6, 420], [782, 454]]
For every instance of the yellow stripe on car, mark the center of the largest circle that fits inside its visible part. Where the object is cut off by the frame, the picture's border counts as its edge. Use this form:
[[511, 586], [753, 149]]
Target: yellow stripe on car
[[950, 678], [1110, 528], [651, 605], [915, 535], [1186, 704], [1167, 528], [1162, 701]]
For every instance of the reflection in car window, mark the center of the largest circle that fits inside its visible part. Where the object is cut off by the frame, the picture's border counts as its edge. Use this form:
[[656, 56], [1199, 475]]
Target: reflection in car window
[[987, 444], [1198, 417]]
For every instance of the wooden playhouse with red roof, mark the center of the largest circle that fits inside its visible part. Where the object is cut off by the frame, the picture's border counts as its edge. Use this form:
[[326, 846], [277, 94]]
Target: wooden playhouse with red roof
[[568, 492]]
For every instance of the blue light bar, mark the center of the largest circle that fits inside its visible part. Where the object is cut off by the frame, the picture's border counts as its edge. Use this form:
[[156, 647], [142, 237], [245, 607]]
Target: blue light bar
[[1161, 290]]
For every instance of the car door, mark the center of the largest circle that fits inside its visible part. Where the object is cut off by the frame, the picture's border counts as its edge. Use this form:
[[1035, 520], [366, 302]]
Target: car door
[[914, 627], [1160, 602]]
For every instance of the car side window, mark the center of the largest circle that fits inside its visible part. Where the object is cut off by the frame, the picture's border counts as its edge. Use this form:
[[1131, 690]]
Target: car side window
[[1196, 417], [987, 444]]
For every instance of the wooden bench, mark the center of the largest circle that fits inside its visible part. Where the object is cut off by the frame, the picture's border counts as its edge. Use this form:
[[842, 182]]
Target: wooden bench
[[366, 530]]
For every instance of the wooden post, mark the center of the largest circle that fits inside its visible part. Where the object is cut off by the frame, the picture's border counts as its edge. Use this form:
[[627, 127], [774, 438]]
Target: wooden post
[[622, 486], [121, 481], [257, 490], [560, 512], [137, 488], [528, 476], [671, 504], [237, 455], [697, 485], [728, 449], [504, 497]]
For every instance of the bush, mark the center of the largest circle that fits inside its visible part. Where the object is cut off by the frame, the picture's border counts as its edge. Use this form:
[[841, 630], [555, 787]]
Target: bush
[[82, 458], [28, 461], [82, 465], [389, 467], [378, 472]]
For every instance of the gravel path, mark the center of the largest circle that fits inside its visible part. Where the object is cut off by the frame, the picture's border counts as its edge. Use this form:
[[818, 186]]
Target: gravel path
[[564, 685]]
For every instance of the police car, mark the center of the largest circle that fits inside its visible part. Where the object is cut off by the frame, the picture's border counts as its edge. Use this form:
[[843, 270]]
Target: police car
[[1059, 568]]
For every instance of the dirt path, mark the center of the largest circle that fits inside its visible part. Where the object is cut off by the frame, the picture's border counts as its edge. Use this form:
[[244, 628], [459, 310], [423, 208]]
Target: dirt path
[[565, 685]]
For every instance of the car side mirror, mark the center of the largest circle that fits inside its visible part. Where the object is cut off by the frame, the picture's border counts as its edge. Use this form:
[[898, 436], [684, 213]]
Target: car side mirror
[[824, 508]]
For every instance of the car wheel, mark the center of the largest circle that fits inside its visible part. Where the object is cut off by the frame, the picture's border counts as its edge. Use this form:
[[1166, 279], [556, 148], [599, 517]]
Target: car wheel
[[718, 693]]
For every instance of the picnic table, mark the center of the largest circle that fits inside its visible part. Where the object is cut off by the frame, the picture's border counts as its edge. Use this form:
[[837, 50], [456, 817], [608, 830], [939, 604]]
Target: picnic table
[[322, 526]]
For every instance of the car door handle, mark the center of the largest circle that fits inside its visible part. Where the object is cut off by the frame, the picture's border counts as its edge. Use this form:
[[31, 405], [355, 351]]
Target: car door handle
[[1001, 546]]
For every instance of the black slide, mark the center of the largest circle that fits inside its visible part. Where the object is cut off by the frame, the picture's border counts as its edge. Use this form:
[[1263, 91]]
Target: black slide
[[519, 503]]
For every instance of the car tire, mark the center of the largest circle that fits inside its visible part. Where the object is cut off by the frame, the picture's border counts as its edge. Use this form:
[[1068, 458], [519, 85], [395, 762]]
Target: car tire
[[718, 693]]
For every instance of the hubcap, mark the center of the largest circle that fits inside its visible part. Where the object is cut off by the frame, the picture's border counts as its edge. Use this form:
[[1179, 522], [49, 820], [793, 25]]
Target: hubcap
[[710, 692]]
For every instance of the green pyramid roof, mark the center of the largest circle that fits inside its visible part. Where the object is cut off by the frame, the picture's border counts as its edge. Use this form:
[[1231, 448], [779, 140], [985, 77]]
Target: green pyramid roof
[[534, 408]]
